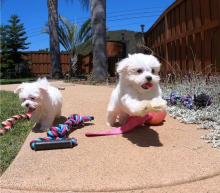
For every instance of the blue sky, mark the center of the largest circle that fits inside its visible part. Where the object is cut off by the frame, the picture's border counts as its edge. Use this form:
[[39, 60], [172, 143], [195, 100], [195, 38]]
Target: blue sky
[[121, 14]]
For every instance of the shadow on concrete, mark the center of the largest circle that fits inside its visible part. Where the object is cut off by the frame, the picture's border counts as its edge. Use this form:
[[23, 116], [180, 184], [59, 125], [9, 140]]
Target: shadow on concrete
[[59, 120], [144, 136]]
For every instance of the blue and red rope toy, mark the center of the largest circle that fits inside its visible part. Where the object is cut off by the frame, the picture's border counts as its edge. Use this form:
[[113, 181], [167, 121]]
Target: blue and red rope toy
[[57, 137]]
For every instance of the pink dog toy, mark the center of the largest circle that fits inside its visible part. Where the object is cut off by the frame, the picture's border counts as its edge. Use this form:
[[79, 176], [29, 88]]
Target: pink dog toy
[[8, 123], [152, 118]]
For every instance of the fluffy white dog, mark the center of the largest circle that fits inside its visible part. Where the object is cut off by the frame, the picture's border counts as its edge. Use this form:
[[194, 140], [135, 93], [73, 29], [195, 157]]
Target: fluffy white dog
[[138, 91], [42, 100]]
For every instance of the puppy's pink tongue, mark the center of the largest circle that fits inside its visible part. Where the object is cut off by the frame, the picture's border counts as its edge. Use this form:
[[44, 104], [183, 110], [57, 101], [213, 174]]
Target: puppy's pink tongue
[[147, 85], [30, 110]]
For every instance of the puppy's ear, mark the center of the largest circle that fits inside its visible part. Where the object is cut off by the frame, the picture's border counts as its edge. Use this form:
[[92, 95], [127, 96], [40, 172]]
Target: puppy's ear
[[43, 84], [43, 90], [42, 81], [122, 65], [19, 88]]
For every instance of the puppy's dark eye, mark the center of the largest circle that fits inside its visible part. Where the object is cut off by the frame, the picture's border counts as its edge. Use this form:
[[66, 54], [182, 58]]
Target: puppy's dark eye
[[32, 98], [152, 71], [139, 71]]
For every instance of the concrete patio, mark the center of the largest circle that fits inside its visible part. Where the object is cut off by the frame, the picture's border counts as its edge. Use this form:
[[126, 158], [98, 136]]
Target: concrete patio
[[167, 158]]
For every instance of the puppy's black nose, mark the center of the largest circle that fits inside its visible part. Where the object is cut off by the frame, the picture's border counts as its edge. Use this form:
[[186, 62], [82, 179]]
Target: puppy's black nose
[[27, 105], [148, 78]]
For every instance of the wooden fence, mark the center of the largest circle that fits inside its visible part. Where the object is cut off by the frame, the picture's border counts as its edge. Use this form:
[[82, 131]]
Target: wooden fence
[[187, 37], [40, 62]]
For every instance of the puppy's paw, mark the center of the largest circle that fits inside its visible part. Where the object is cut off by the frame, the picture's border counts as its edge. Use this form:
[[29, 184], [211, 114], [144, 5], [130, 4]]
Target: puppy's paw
[[38, 128], [122, 121], [111, 118], [145, 107], [109, 124], [158, 104], [44, 128]]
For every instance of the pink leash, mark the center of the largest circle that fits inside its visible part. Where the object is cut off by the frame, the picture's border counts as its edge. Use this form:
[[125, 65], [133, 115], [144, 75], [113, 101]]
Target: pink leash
[[128, 126]]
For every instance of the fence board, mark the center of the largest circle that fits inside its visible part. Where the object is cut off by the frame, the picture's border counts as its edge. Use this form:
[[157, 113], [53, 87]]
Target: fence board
[[191, 35], [177, 11], [183, 17], [207, 48], [189, 20], [198, 51], [196, 13]]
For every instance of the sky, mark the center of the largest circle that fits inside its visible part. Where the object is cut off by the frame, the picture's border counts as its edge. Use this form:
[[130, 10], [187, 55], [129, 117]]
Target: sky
[[121, 14]]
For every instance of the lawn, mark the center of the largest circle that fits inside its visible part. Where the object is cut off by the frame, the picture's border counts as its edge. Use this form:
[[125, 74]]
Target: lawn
[[16, 80], [11, 142]]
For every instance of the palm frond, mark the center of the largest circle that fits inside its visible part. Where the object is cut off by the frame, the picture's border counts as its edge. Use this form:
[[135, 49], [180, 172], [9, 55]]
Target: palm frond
[[63, 39], [70, 36], [67, 31], [45, 29], [85, 31], [84, 3]]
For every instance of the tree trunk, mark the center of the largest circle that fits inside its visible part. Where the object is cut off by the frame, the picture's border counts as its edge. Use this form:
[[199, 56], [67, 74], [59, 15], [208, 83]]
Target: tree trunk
[[98, 22], [73, 64], [54, 38]]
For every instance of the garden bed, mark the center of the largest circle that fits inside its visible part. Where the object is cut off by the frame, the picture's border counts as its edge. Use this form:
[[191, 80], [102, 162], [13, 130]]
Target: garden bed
[[207, 117]]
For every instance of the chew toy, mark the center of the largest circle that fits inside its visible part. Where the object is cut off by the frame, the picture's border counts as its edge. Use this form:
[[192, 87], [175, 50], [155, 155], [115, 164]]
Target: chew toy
[[54, 144], [152, 118], [57, 137], [156, 118], [8, 123]]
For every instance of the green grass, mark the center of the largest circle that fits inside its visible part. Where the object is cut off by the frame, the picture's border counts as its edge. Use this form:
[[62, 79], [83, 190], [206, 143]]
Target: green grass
[[16, 80], [11, 142]]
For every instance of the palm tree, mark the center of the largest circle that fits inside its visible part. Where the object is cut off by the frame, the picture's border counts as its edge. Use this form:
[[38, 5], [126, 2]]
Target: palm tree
[[54, 38], [98, 22], [70, 37]]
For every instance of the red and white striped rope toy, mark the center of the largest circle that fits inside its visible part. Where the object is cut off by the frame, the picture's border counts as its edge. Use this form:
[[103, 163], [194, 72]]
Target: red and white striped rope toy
[[8, 123]]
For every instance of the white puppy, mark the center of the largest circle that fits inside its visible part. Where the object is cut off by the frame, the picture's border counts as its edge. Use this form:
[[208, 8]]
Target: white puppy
[[42, 100], [138, 91]]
